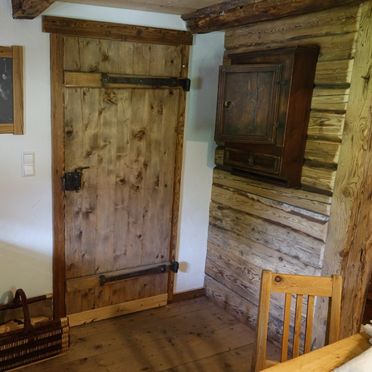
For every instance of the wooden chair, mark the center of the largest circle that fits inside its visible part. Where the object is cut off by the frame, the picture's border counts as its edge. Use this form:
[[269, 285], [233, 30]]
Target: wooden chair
[[300, 286]]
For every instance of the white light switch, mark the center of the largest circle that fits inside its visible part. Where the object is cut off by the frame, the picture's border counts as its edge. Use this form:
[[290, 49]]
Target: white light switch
[[28, 164]]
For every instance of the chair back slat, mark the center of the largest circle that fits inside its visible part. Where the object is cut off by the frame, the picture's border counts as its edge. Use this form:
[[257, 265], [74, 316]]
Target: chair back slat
[[263, 318], [297, 328], [286, 324], [301, 286], [335, 312], [309, 323]]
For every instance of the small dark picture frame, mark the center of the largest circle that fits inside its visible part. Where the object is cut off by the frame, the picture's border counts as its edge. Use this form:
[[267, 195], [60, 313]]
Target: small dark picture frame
[[11, 90]]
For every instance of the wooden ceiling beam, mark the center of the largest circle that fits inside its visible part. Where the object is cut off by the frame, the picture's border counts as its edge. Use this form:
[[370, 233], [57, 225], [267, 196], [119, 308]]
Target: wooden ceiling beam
[[29, 9], [237, 13]]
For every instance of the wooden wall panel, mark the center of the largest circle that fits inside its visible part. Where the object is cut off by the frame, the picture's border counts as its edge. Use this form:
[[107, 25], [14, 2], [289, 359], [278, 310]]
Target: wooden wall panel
[[349, 244], [255, 225]]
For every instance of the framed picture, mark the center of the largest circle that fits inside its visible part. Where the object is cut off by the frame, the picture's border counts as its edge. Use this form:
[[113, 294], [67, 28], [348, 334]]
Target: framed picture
[[11, 90]]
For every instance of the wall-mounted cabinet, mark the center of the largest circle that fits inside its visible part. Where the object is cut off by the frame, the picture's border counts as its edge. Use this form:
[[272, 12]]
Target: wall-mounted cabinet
[[263, 112]]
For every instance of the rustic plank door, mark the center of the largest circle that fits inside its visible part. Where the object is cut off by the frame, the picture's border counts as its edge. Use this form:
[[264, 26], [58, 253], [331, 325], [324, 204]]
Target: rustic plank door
[[125, 139]]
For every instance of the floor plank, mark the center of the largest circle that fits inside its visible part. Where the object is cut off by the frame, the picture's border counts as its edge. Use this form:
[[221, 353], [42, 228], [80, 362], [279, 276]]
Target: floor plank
[[193, 335]]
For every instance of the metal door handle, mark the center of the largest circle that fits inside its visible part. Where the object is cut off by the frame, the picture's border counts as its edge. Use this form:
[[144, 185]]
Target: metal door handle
[[227, 104]]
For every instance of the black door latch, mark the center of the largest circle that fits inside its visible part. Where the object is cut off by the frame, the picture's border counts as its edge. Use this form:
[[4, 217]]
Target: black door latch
[[72, 180]]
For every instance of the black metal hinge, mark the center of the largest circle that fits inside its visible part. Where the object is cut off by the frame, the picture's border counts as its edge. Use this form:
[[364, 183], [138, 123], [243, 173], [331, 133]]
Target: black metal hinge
[[159, 269], [156, 82]]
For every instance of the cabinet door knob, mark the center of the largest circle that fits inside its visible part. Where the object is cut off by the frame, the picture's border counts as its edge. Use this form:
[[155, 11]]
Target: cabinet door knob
[[227, 104]]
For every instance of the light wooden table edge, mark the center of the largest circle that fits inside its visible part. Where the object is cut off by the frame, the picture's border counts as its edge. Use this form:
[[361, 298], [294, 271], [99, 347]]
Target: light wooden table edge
[[327, 358]]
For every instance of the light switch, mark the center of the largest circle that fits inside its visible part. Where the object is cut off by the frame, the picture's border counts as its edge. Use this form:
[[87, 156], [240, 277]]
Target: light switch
[[28, 164]]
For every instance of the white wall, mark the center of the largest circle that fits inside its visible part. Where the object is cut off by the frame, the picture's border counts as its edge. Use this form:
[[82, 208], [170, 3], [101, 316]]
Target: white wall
[[207, 55], [25, 203]]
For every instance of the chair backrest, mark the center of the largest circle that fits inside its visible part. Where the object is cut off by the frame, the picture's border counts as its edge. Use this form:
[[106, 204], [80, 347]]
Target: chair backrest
[[299, 285]]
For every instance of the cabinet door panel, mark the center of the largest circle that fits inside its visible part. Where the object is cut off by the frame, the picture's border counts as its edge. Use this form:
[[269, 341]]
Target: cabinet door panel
[[248, 103]]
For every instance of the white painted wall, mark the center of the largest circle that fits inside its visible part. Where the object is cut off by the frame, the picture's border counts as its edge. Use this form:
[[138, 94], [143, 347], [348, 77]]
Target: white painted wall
[[25, 203], [206, 57]]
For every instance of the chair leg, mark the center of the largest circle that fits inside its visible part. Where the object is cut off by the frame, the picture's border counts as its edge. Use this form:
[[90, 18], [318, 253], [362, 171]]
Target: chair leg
[[253, 358]]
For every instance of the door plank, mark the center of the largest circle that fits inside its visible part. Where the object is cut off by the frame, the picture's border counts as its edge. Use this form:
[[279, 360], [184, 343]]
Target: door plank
[[106, 180], [73, 157], [122, 181]]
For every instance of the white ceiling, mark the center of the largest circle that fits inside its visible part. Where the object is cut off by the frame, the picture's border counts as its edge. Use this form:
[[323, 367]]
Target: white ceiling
[[164, 6]]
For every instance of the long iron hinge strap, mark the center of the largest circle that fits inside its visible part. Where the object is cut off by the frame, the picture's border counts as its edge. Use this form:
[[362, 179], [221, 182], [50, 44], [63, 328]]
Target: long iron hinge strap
[[156, 82], [160, 269]]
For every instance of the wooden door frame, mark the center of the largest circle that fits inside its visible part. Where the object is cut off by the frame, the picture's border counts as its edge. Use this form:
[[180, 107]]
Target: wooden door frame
[[60, 27]]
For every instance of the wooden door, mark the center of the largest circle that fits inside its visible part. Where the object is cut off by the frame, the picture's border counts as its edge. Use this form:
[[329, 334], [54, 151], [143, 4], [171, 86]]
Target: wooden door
[[125, 140]]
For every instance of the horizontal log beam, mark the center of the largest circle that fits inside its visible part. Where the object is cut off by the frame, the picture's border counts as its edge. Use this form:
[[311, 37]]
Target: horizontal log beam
[[115, 31], [29, 9], [242, 12]]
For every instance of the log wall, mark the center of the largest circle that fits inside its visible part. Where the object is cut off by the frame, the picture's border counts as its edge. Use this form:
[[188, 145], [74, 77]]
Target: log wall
[[255, 225]]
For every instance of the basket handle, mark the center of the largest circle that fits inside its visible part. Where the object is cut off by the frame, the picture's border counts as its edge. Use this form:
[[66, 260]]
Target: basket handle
[[21, 299]]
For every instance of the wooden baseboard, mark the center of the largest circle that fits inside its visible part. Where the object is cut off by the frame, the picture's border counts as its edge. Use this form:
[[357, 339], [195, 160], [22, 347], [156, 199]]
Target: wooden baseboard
[[117, 310], [188, 295]]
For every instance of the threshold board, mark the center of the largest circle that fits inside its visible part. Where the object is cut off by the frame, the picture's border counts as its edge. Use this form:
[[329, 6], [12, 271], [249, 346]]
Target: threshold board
[[117, 310]]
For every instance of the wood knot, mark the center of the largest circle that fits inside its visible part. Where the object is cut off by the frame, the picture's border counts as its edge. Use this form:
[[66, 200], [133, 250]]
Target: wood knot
[[366, 77], [278, 279], [105, 57], [139, 135]]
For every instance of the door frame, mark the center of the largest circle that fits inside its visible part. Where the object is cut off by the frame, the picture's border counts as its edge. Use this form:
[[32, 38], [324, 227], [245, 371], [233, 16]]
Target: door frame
[[60, 27]]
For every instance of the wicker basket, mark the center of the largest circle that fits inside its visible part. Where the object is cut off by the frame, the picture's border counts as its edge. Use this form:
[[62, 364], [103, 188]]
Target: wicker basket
[[32, 343]]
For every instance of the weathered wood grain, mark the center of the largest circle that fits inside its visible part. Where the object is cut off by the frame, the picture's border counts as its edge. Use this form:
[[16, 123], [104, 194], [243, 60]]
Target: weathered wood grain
[[73, 140], [315, 177], [239, 307], [275, 236], [117, 310], [219, 154], [257, 253], [192, 335], [122, 217], [348, 249], [248, 230], [86, 55], [336, 22], [162, 6], [115, 31], [183, 73], [333, 30], [335, 47], [227, 15], [334, 72], [326, 126], [330, 100], [296, 197], [322, 151], [58, 165], [240, 276], [309, 223], [29, 9], [105, 164]]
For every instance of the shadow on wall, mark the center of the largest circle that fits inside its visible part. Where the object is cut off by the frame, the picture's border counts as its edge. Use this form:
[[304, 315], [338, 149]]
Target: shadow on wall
[[23, 268]]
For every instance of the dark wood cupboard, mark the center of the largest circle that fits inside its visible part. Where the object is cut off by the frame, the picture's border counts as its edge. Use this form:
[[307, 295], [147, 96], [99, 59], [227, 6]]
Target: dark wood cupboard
[[263, 111]]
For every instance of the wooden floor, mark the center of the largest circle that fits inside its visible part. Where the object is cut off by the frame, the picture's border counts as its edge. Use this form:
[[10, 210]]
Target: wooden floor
[[193, 335]]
